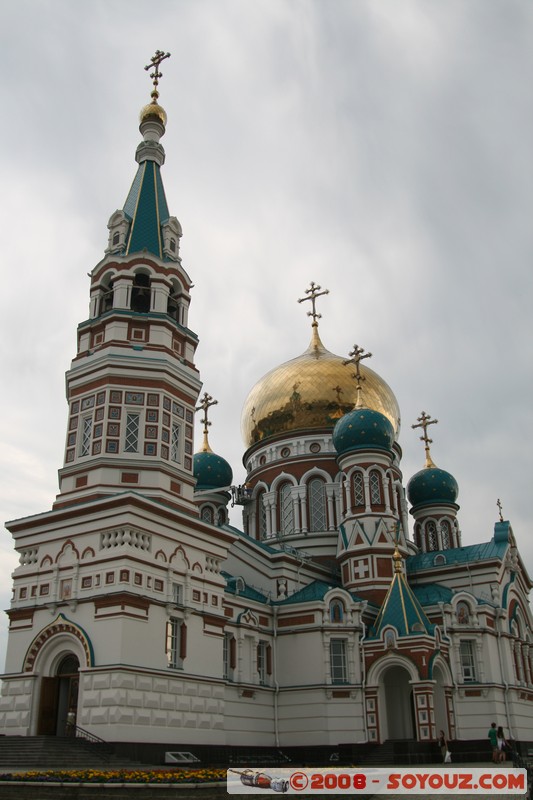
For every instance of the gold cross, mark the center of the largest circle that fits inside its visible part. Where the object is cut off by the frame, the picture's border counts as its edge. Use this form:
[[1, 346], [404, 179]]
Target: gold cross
[[356, 356], [499, 504], [423, 421], [313, 292], [206, 402], [156, 63]]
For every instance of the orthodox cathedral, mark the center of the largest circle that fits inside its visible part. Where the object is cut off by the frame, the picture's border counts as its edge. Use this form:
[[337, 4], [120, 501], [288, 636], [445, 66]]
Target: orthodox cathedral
[[141, 613]]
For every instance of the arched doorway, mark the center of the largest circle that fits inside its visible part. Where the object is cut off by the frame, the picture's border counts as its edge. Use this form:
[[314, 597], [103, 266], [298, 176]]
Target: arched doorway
[[59, 695], [397, 706]]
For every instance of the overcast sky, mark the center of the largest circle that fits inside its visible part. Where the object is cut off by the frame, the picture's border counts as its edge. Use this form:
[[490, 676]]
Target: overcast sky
[[381, 148]]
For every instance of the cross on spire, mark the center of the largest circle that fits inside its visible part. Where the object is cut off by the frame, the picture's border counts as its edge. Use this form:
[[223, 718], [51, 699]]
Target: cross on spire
[[500, 507], [155, 62], [206, 403], [424, 420], [313, 292], [356, 356]]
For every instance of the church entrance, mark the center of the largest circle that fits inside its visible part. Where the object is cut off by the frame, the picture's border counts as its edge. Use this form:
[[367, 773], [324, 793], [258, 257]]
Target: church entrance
[[398, 708], [59, 699]]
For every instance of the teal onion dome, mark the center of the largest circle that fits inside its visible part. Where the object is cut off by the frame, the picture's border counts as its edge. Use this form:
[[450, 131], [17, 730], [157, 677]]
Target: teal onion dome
[[361, 429], [211, 471], [432, 485]]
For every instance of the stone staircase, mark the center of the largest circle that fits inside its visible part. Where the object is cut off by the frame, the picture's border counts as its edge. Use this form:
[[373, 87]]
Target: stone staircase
[[19, 752]]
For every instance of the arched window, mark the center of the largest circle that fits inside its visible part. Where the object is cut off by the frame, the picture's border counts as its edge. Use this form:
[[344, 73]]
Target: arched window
[[358, 489], [316, 495], [285, 510], [207, 514], [336, 611], [445, 534], [375, 488], [431, 536], [221, 517], [141, 293], [261, 517]]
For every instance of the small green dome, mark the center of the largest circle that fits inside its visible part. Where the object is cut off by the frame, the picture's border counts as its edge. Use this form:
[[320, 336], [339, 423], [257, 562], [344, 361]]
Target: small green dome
[[363, 428], [211, 471], [432, 485]]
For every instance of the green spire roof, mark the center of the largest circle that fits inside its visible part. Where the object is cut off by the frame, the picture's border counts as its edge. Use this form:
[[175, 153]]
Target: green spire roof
[[400, 608], [146, 207]]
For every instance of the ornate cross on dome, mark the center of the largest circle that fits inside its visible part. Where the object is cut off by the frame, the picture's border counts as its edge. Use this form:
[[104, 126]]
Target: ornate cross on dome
[[500, 507], [156, 74], [423, 421], [206, 403], [356, 356], [313, 292]]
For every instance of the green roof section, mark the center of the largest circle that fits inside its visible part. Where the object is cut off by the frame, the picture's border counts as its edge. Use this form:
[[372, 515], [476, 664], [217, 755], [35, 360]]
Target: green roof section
[[146, 207], [401, 609], [430, 594], [485, 551], [243, 590]]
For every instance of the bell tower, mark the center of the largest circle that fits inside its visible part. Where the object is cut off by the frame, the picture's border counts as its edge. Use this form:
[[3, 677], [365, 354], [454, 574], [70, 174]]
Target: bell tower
[[132, 387]]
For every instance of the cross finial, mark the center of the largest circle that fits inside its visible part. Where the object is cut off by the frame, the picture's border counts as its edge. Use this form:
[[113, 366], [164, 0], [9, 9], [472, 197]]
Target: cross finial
[[423, 421], [356, 356], [500, 507], [156, 74], [313, 292], [206, 403]]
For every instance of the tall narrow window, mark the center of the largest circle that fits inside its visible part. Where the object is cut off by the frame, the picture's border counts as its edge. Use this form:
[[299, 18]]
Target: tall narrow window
[[337, 660], [445, 534], [207, 514], [431, 532], [317, 505], [131, 444], [358, 489], [176, 643], [230, 656], [86, 436], [261, 515], [286, 511], [264, 662], [175, 442], [375, 488], [468, 664]]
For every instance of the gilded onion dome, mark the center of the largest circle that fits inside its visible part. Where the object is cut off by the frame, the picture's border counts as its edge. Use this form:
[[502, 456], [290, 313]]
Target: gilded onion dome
[[313, 390]]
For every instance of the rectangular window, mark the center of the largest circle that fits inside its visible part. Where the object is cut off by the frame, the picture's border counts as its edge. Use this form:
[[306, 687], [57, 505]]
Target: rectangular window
[[175, 442], [86, 436], [337, 660], [468, 664], [230, 656], [176, 645], [132, 433], [177, 594]]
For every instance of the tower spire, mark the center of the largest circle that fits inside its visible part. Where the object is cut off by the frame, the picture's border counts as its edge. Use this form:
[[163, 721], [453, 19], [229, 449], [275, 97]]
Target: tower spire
[[356, 356], [423, 421]]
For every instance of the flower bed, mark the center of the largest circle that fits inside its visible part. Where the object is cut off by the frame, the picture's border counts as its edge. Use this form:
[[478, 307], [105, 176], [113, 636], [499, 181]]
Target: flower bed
[[149, 776]]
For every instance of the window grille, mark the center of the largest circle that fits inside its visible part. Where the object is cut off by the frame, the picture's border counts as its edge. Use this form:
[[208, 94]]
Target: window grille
[[132, 433], [207, 514], [358, 489], [175, 442], [445, 534], [287, 520], [431, 530], [375, 489], [317, 505], [86, 436], [262, 515]]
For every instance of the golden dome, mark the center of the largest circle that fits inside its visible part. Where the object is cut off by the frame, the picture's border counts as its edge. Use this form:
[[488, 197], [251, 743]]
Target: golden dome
[[312, 391], [153, 109]]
